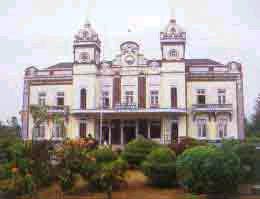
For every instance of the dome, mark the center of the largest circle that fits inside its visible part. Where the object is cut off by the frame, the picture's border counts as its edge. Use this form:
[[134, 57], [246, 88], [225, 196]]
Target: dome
[[173, 31], [87, 34]]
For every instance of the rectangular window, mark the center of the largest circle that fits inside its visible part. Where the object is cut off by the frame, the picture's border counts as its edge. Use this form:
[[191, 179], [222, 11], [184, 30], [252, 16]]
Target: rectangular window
[[129, 97], [83, 129], [105, 99], [222, 128], [174, 97], [58, 131], [201, 96], [154, 102], [202, 128], [40, 131], [221, 96], [42, 99], [60, 99]]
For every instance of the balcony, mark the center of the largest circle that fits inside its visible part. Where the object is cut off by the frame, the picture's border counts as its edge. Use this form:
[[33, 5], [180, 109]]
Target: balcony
[[58, 109], [126, 106], [129, 109], [212, 110]]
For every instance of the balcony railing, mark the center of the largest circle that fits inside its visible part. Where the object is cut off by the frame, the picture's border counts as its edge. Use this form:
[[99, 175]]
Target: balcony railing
[[212, 107], [126, 106], [58, 109]]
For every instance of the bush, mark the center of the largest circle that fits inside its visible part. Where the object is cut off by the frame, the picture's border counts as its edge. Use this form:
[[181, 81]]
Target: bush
[[248, 156], [73, 159], [136, 151], [109, 175], [103, 155], [185, 143], [207, 169], [247, 153], [159, 167]]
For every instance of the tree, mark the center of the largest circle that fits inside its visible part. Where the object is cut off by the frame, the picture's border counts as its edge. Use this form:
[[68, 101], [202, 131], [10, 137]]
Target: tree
[[39, 115], [255, 124], [58, 119]]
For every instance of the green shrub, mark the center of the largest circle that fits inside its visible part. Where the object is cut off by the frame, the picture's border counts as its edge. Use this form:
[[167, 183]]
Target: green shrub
[[66, 180], [253, 140], [248, 155], [109, 176], [185, 143], [159, 167], [103, 155], [136, 151], [207, 169]]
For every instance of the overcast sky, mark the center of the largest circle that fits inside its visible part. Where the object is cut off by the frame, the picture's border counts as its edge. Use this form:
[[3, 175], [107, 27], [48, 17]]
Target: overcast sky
[[40, 33]]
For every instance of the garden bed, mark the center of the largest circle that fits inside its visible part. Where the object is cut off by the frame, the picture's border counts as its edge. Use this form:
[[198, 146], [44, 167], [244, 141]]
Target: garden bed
[[136, 189]]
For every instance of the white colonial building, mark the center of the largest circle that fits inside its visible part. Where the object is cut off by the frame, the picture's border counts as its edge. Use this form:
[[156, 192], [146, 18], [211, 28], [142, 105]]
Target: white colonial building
[[117, 100]]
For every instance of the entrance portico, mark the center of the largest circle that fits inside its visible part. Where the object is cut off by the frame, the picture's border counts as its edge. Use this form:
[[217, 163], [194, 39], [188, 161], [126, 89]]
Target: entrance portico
[[120, 132], [121, 126]]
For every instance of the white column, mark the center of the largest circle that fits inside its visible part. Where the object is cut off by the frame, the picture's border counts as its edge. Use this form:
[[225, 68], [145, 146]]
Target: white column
[[149, 129], [136, 128], [109, 133], [122, 131]]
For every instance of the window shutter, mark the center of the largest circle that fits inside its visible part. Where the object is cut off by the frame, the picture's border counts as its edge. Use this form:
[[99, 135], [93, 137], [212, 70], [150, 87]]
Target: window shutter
[[116, 91], [141, 91], [174, 97]]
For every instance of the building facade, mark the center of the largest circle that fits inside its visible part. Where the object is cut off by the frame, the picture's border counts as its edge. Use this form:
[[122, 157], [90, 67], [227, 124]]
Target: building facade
[[117, 100]]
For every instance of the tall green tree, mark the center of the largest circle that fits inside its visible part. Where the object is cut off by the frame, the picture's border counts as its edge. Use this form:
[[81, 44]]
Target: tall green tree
[[255, 124]]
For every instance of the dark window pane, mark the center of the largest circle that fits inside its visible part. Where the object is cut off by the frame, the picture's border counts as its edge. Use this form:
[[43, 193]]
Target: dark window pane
[[155, 130]]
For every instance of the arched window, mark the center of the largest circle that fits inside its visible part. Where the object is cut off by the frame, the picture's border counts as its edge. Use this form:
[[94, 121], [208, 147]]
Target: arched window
[[83, 98], [222, 128]]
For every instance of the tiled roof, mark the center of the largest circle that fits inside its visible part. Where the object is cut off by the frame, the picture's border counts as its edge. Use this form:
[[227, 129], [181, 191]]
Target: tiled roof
[[202, 62], [61, 65]]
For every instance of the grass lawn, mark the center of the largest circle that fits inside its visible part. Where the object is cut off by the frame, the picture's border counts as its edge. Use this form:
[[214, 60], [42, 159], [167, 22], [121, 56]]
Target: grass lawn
[[136, 189]]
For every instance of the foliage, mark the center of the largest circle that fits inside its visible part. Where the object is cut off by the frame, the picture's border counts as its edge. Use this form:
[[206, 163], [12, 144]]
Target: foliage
[[103, 155], [159, 167], [253, 126], [108, 176], [74, 159], [136, 151], [27, 166], [207, 169], [185, 143], [229, 144], [247, 153], [39, 114], [253, 140]]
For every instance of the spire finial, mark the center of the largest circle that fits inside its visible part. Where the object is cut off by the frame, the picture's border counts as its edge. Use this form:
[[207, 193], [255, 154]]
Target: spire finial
[[90, 6], [172, 10]]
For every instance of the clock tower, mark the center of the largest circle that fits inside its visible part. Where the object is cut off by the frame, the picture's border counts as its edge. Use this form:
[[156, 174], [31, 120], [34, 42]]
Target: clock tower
[[173, 40], [86, 46]]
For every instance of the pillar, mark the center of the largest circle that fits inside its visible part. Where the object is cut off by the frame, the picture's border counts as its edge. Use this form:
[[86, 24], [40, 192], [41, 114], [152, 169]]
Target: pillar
[[149, 129], [122, 131], [136, 128], [109, 133]]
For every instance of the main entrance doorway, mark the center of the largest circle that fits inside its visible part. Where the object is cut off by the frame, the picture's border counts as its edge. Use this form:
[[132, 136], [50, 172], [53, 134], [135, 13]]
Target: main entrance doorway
[[129, 131], [174, 132]]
